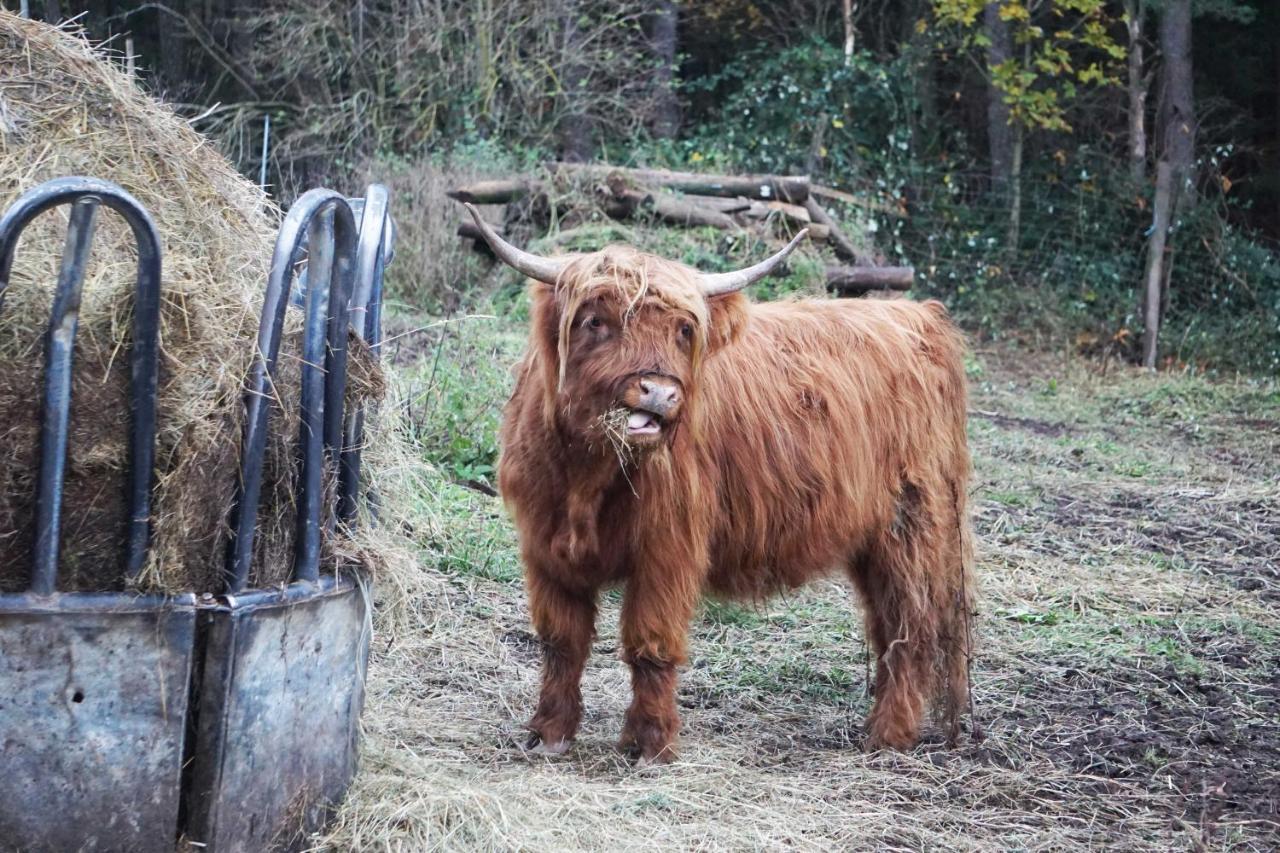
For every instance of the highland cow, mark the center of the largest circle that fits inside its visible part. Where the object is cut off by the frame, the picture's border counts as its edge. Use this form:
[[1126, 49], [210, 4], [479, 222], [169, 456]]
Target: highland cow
[[669, 436]]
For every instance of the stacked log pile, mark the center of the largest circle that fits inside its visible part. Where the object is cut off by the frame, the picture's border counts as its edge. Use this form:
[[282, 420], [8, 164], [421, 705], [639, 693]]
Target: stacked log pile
[[786, 203]]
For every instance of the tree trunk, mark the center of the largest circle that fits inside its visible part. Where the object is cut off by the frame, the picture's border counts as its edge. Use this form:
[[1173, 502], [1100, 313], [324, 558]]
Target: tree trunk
[[1166, 181], [1135, 10], [1177, 126], [999, 131], [1177, 112], [1015, 190], [925, 84], [848, 32], [663, 39], [52, 11], [576, 142], [171, 33]]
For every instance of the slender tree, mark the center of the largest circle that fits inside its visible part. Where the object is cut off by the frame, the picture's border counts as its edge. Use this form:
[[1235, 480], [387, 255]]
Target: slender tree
[[576, 138], [1135, 11], [1177, 112], [663, 41], [999, 130], [1174, 171]]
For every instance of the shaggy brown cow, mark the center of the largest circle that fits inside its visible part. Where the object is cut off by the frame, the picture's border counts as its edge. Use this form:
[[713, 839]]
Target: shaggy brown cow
[[668, 435]]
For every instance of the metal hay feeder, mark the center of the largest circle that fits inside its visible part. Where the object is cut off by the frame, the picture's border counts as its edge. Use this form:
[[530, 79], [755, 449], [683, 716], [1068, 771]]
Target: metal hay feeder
[[228, 719]]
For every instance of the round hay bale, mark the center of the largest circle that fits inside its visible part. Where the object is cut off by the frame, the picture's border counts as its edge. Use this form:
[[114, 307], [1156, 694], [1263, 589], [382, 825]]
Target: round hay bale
[[66, 109]]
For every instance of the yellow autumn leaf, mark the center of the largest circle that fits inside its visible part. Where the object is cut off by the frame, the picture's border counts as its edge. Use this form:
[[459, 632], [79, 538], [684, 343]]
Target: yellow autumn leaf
[[1226, 184], [835, 122]]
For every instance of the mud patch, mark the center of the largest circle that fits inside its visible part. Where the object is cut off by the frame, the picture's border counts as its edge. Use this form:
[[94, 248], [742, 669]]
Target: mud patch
[[1032, 425], [1213, 740]]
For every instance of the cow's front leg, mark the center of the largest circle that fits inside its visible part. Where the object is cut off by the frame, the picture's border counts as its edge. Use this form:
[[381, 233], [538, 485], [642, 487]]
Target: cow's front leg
[[655, 628], [565, 622]]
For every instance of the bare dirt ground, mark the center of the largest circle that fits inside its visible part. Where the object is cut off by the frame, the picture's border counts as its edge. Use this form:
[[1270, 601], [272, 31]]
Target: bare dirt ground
[[1127, 684]]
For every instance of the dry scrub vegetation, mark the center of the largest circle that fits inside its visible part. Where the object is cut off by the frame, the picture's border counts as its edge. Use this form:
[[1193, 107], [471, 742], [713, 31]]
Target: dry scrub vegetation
[[1127, 687]]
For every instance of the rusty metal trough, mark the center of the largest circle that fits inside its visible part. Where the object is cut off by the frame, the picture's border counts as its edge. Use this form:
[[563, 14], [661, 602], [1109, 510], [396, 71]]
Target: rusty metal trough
[[226, 720]]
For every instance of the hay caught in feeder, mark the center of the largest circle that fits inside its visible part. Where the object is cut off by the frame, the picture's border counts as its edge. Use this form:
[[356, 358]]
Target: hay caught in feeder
[[67, 110]]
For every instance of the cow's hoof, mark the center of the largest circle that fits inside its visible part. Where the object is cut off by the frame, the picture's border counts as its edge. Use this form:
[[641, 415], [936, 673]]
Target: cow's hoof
[[666, 756], [646, 755], [536, 746]]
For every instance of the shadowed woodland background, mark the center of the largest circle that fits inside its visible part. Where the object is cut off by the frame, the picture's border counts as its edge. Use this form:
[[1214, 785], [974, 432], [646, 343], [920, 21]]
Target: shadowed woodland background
[[1009, 151]]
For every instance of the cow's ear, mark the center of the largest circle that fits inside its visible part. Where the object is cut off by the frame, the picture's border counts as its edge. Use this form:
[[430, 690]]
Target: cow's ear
[[544, 313], [728, 317]]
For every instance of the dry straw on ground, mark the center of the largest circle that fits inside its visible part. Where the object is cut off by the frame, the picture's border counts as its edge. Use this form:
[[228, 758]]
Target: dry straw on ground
[[66, 109], [1126, 675]]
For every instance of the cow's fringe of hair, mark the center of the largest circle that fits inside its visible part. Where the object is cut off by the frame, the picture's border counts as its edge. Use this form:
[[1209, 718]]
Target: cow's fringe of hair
[[625, 273]]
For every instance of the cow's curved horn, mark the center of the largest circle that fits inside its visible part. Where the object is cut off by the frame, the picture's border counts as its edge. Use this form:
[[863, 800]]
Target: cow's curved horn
[[718, 284], [534, 266]]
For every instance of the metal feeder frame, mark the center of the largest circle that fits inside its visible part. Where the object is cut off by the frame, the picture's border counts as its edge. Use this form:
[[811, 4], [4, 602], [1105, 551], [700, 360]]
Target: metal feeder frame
[[128, 721]]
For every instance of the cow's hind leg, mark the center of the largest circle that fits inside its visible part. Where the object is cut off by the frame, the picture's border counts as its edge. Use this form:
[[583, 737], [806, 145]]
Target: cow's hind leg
[[911, 583], [565, 622], [903, 670]]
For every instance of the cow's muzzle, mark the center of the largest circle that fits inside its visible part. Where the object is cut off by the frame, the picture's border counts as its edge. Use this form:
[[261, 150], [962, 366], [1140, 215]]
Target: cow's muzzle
[[653, 401]]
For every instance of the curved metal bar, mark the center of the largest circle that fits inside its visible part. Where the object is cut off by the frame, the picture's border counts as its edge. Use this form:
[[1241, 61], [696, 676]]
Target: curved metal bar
[[366, 317], [60, 344], [259, 395], [55, 417], [323, 297], [374, 236]]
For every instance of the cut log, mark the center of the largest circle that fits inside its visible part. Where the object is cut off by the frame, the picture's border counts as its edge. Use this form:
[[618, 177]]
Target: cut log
[[861, 279], [792, 188], [840, 243], [492, 192], [678, 210], [471, 232], [833, 194], [468, 230], [792, 213], [726, 205]]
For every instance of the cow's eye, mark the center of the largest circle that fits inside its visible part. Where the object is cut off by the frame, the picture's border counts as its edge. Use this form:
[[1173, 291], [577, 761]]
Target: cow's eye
[[593, 322], [686, 332]]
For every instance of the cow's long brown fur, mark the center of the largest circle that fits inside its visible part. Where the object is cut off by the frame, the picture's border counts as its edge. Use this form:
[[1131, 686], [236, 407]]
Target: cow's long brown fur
[[815, 437]]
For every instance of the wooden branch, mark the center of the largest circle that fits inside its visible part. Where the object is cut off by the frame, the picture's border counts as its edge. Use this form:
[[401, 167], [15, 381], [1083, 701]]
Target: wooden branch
[[792, 188], [840, 243], [492, 192], [845, 280]]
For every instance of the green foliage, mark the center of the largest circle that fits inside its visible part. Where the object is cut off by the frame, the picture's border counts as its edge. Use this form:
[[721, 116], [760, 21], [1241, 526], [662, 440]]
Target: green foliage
[[459, 373], [1059, 46], [786, 110]]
